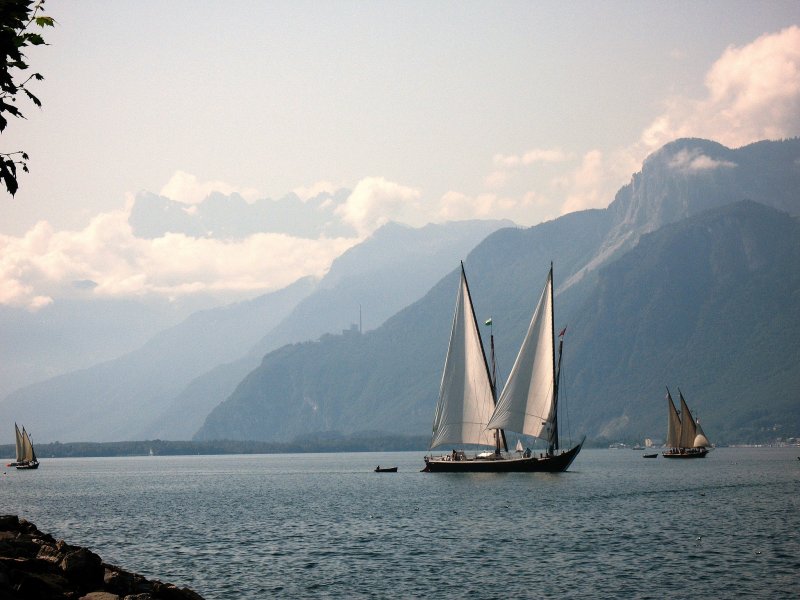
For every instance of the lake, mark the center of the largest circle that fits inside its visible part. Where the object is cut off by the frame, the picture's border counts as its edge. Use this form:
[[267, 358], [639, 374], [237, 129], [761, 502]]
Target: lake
[[325, 526]]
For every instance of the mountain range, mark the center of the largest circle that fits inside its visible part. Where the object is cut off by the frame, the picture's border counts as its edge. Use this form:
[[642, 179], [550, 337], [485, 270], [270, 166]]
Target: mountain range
[[689, 278]]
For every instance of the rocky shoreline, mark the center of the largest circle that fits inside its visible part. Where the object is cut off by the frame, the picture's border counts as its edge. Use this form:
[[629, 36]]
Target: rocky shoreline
[[34, 565]]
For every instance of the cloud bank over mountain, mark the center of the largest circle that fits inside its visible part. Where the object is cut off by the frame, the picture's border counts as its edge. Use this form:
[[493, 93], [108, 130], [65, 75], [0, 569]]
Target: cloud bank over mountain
[[216, 237]]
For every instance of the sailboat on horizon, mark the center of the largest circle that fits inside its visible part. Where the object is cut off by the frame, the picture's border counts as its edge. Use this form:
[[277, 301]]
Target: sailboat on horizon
[[469, 411], [685, 437], [25, 455]]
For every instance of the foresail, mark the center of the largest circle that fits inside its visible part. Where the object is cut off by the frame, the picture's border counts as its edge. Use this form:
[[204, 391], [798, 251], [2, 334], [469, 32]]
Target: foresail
[[466, 398], [526, 402], [700, 440], [688, 428]]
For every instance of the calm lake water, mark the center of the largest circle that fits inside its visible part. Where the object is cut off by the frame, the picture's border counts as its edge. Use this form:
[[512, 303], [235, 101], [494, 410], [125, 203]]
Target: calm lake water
[[325, 525]]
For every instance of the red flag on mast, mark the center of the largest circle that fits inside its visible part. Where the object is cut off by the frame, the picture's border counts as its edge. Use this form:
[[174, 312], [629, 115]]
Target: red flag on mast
[[563, 331]]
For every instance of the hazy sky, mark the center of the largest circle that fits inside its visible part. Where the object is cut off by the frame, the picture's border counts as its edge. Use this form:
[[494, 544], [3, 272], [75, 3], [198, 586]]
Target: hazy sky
[[428, 111]]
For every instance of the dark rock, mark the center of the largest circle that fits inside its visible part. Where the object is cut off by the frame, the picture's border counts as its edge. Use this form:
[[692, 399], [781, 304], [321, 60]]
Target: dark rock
[[34, 566], [100, 596], [83, 567]]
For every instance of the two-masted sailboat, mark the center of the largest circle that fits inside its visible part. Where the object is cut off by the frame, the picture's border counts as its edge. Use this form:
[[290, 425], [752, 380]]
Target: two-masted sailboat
[[26, 457], [469, 412], [685, 437]]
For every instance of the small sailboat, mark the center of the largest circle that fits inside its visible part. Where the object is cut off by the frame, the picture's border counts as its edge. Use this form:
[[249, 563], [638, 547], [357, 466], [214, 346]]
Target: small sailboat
[[685, 437], [25, 455], [469, 412]]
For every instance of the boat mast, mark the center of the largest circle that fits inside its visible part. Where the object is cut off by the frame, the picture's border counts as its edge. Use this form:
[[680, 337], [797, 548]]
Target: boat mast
[[553, 446], [556, 385], [499, 435]]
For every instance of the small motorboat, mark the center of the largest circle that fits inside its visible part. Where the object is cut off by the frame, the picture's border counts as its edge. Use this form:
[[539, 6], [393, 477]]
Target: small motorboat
[[380, 469], [655, 455]]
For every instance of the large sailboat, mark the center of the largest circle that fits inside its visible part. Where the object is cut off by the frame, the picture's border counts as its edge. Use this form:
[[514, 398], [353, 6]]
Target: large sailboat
[[685, 437], [469, 412], [26, 457]]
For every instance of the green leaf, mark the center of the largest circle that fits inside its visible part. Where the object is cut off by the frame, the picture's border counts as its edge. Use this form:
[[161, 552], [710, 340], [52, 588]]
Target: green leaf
[[35, 39], [45, 21]]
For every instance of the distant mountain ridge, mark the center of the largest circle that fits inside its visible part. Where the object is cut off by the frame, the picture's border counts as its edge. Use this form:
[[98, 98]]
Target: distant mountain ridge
[[113, 399], [689, 176], [388, 379]]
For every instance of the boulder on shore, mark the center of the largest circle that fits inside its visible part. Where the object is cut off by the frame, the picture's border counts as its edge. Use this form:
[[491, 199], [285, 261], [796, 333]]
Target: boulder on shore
[[34, 565]]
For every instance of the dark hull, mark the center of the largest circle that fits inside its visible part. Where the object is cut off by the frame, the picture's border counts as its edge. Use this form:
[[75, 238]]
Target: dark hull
[[533, 464], [20, 466], [386, 470], [690, 453]]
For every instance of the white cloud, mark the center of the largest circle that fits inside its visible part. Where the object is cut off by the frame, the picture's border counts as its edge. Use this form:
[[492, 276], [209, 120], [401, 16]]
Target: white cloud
[[44, 263], [314, 190], [753, 94], [537, 155], [695, 160], [184, 187], [375, 201]]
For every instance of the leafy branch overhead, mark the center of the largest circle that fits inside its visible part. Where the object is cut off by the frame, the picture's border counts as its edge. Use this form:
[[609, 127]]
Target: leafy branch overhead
[[18, 20]]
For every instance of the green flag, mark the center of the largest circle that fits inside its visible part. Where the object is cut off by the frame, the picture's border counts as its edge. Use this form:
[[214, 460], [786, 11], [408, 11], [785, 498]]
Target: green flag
[[488, 321]]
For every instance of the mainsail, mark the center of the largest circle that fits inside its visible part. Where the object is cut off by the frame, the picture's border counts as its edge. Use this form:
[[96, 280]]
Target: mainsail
[[673, 424], [28, 455], [527, 402], [688, 429], [466, 395]]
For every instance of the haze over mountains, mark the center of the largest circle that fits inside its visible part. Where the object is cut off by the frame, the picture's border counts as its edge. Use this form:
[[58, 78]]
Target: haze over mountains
[[689, 278], [721, 322], [131, 396]]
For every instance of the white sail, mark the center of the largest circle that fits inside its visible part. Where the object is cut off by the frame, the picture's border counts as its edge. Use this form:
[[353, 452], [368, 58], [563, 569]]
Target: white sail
[[673, 424], [526, 403], [700, 440], [466, 397], [688, 429], [519, 447], [19, 443]]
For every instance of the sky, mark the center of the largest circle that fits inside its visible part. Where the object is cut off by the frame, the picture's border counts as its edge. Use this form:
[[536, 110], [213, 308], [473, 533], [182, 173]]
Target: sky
[[427, 111]]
